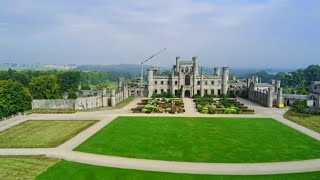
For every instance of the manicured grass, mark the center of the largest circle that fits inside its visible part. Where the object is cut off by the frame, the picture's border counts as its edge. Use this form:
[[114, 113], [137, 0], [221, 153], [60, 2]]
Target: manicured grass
[[309, 121], [22, 167], [41, 134], [72, 170], [202, 140]]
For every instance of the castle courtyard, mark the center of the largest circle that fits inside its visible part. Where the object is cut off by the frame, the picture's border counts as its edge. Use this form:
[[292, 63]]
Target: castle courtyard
[[190, 144]]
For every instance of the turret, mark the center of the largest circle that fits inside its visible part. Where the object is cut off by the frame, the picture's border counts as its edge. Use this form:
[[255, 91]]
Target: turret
[[216, 71], [195, 65], [225, 78], [279, 98], [177, 64], [151, 73], [277, 85], [270, 97]]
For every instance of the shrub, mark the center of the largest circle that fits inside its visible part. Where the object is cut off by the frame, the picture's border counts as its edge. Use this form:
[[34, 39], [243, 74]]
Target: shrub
[[299, 106], [72, 94]]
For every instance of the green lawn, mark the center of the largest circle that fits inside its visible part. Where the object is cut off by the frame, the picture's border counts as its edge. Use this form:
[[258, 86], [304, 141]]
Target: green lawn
[[22, 167], [222, 140], [41, 134], [72, 170], [309, 121]]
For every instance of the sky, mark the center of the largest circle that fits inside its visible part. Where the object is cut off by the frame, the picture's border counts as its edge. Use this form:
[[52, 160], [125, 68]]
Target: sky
[[234, 33]]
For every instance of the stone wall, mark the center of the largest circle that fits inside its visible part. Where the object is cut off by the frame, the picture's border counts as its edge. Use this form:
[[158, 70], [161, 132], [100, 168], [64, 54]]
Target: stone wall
[[56, 104], [108, 98]]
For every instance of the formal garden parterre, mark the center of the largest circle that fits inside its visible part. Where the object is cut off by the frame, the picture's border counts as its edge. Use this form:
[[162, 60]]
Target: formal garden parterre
[[160, 105], [223, 105]]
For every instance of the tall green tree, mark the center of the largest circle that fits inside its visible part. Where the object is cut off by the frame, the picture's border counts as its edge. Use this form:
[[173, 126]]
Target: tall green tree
[[44, 87], [14, 98], [13, 75], [68, 80]]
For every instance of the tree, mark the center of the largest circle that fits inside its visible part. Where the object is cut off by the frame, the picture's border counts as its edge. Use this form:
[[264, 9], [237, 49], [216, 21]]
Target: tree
[[85, 87], [14, 98], [299, 106], [14, 76], [102, 86], [44, 87], [72, 94], [312, 73], [68, 80]]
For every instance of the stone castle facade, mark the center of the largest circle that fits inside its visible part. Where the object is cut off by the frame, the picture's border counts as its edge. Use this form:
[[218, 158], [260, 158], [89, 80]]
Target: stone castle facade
[[186, 75]]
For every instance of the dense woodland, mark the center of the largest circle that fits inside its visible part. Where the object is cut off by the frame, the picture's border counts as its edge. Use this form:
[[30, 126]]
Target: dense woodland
[[18, 88]]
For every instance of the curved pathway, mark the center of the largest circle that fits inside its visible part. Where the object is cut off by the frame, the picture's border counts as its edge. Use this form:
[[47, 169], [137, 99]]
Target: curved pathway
[[172, 166], [65, 152]]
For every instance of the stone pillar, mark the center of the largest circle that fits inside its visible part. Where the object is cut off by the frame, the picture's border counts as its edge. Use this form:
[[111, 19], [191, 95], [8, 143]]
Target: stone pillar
[[279, 97], [113, 98], [225, 78], [270, 97]]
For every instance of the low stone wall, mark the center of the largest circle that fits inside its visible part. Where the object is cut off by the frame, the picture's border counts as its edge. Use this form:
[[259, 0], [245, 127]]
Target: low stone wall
[[111, 98], [259, 97], [54, 104], [90, 103]]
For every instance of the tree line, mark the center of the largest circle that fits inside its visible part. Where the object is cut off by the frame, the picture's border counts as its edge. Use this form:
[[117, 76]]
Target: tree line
[[18, 88], [294, 79]]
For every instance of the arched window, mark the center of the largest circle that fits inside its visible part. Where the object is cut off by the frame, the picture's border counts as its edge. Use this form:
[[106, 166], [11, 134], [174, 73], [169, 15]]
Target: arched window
[[187, 80]]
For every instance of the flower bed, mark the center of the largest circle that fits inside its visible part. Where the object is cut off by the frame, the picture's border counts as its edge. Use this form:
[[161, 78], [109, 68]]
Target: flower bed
[[160, 105], [207, 105]]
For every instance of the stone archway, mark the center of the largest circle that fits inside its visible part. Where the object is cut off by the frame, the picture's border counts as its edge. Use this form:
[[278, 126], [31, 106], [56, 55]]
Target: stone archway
[[187, 94], [288, 102]]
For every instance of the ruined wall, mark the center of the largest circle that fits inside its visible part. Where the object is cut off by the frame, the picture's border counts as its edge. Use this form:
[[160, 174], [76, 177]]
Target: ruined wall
[[110, 98]]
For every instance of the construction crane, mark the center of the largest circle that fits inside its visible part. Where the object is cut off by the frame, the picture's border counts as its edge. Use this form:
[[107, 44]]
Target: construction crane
[[142, 62]]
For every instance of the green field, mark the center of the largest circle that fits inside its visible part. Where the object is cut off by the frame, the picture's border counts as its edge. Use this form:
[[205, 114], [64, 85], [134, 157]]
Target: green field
[[23, 167], [307, 120], [72, 170], [225, 140], [41, 134]]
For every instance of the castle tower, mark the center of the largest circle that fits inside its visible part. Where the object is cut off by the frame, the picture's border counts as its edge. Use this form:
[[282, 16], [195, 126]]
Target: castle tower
[[177, 64], [277, 85], [151, 72], [270, 97], [225, 78], [195, 65], [279, 98], [216, 71], [195, 74]]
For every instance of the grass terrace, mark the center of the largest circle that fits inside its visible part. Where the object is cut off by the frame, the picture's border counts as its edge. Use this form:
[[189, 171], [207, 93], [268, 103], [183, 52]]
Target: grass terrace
[[24, 167], [41, 134], [307, 120], [221, 140]]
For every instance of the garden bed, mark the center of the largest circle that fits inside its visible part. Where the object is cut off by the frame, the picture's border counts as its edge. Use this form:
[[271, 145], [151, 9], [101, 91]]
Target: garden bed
[[160, 105], [208, 105]]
